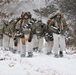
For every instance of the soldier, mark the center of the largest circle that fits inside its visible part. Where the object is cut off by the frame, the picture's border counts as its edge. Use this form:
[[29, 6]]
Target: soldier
[[49, 38], [58, 26], [31, 32], [12, 34], [35, 39], [40, 32], [29, 35], [17, 34], [21, 27], [49, 35], [5, 35]]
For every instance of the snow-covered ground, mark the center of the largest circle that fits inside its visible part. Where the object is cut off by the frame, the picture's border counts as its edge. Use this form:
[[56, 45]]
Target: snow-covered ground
[[39, 64]]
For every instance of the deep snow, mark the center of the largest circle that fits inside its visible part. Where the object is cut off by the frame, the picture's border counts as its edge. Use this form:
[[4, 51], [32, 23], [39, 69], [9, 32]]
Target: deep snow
[[39, 64]]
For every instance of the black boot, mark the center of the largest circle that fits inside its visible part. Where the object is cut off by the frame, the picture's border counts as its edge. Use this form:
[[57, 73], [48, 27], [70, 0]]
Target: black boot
[[30, 54], [61, 54], [35, 49]]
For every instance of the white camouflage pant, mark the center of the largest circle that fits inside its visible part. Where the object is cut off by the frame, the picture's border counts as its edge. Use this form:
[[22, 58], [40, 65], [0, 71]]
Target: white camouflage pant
[[1, 42], [49, 45], [29, 45], [59, 42], [20, 47], [35, 41], [6, 41], [40, 43], [11, 43]]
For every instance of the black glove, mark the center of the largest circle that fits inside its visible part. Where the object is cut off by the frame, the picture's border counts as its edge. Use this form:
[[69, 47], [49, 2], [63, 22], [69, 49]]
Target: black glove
[[18, 32], [58, 31], [15, 43], [22, 36], [30, 39]]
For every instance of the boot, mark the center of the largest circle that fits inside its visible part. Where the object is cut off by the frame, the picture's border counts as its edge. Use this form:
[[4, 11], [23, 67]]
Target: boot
[[30, 54], [48, 53], [61, 54], [14, 50], [22, 55], [56, 55], [35, 49]]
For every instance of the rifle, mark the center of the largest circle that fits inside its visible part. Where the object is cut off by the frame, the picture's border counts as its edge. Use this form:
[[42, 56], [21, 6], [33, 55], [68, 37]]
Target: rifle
[[57, 30]]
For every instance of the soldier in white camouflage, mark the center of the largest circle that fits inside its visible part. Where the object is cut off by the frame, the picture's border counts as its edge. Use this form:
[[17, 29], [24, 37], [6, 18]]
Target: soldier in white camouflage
[[24, 34], [58, 27], [40, 29], [5, 34], [49, 38]]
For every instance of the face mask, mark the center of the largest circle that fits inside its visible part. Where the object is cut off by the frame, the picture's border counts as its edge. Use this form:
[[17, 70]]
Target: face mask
[[57, 19]]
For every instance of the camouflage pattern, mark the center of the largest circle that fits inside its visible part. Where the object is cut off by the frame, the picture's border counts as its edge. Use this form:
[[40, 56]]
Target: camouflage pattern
[[12, 25], [61, 25], [22, 28], [40, 28], [6, 27], [1, 29], [58, 26]]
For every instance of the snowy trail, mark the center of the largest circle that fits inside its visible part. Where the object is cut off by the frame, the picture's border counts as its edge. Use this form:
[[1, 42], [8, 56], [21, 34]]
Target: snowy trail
[[39, 64], [64, 66]]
